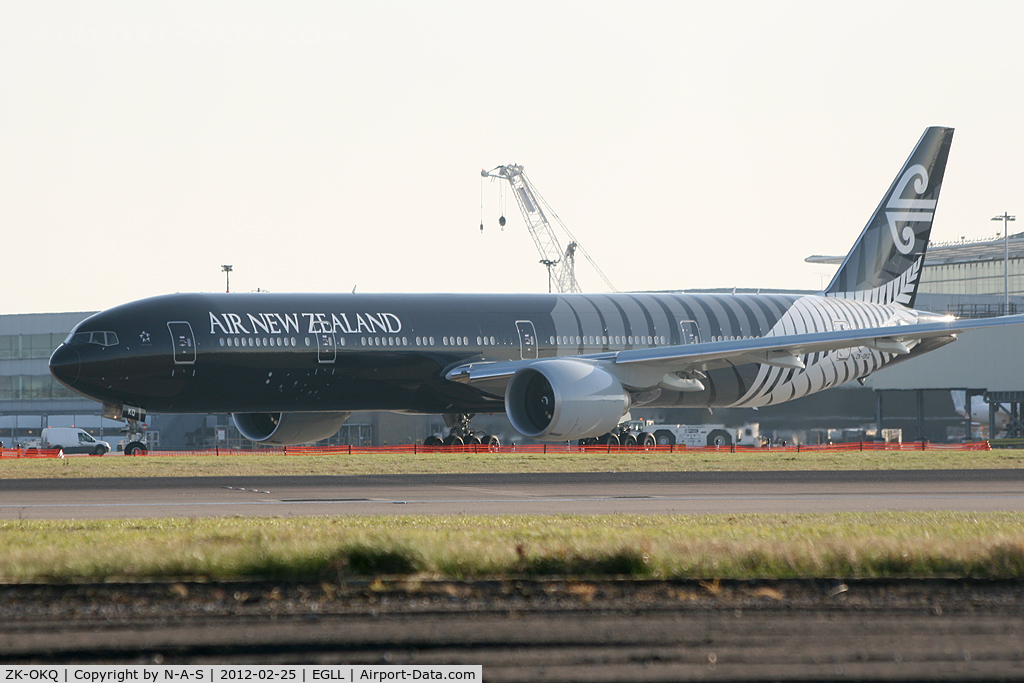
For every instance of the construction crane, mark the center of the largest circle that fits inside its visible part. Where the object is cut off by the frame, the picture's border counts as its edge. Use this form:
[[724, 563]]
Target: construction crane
[[561, 265]]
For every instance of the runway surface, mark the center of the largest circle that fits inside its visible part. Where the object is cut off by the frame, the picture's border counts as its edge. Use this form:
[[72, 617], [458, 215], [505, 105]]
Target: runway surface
[[549, 493]]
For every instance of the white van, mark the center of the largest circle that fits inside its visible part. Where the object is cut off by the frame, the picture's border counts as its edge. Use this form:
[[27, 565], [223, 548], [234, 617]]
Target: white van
[[73, 440]]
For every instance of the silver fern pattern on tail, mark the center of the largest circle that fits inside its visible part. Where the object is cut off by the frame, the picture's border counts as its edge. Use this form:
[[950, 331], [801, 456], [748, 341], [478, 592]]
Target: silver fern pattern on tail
[[900, 291]]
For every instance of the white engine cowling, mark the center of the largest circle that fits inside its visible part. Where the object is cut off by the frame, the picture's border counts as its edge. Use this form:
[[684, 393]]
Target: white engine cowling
[[288, 429], [563, 399]]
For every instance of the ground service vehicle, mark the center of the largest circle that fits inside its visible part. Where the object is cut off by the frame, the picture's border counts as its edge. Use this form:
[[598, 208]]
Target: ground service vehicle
[[72, 440], [697, 436]]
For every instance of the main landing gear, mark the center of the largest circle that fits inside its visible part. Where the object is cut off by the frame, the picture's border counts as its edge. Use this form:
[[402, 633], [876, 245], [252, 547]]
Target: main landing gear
[[460, 434], [621, 437]]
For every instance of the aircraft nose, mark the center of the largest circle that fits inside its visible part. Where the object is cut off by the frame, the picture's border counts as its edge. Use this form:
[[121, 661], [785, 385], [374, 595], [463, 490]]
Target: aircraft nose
[[66, 364]]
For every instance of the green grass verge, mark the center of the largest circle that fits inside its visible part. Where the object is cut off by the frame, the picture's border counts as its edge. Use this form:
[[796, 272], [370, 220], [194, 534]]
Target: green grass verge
[[448, 463], [846, 545]]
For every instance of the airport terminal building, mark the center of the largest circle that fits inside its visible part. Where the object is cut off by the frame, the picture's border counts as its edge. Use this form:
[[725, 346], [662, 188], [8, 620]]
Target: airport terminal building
[[965, 279]]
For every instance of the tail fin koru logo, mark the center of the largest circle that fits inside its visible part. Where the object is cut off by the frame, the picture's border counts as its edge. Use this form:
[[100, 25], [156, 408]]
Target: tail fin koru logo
[[909, 210]]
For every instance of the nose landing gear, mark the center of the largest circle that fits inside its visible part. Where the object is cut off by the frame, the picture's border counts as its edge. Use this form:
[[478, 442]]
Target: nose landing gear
[[134, 437]]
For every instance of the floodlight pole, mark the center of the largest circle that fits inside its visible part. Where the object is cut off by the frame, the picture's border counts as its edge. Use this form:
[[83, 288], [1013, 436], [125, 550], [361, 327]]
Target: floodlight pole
[[550, 264], [1006, 218], [227, 275]]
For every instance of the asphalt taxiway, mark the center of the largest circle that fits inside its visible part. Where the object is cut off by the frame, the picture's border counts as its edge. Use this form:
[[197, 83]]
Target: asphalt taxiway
[[542, 494]]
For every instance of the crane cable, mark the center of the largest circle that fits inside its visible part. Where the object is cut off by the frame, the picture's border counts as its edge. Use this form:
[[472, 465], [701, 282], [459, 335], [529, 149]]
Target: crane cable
[[572, 238], [501, 205]]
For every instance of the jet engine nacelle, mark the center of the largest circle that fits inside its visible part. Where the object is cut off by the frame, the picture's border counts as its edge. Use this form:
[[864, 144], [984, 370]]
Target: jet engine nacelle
[[562, 399], [288, 429]]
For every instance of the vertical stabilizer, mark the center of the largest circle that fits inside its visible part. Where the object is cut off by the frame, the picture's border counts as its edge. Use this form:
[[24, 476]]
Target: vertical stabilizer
[[884, 265]]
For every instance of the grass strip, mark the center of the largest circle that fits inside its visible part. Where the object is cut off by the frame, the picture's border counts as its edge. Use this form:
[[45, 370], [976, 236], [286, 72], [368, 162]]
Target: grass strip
[[452, 463], [841, 545]]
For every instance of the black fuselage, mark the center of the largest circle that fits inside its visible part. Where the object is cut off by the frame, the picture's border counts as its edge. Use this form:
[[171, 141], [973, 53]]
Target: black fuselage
[[345, 352]]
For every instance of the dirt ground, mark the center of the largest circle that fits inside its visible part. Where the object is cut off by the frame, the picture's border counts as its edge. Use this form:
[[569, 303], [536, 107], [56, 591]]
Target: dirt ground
[[556, 630]]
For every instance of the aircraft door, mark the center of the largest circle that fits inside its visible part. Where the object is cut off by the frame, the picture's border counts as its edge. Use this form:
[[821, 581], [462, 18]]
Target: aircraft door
[[183, 342], [689, 333], [327, 348], [527, 339]]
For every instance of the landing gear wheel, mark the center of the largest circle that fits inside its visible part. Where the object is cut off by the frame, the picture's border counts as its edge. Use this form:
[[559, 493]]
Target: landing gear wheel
[[432, 441], [647, 440], [609, 439], [629, 440], [474, 441], [454, 440], [135, 448], [492, 442]]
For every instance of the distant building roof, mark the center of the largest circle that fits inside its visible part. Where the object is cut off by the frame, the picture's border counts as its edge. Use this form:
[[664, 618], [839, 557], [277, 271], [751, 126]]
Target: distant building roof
[[942, 253]]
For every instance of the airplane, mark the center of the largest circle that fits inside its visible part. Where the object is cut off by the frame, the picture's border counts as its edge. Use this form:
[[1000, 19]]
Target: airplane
[[978, 413], [291, 368]]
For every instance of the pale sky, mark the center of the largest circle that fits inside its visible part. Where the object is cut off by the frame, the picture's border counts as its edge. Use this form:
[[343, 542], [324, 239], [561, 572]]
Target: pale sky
[[321, 146]]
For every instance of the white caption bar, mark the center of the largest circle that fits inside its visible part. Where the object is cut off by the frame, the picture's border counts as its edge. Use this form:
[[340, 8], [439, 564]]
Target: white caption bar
[[161, 673]]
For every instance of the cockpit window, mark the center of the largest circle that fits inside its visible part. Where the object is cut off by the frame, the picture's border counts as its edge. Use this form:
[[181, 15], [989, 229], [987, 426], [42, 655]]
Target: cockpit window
[[101, 338]]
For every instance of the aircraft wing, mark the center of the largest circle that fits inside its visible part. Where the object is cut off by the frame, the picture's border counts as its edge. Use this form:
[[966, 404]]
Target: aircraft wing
[[782, 350]]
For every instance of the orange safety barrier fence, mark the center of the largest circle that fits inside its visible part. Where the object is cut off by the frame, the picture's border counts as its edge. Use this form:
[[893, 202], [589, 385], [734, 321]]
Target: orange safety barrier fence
[[29, 453], [11, 453]]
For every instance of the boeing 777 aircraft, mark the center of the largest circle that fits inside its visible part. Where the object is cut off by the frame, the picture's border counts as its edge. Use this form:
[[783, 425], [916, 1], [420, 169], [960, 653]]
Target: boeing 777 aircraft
[[292, 367]]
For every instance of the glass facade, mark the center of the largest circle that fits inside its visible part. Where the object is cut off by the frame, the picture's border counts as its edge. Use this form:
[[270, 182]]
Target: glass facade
[[24, 346], [32, 387], [978, 277]]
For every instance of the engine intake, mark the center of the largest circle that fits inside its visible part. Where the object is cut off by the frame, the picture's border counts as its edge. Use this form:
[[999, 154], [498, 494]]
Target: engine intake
[[288, 429], [562, 399]]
